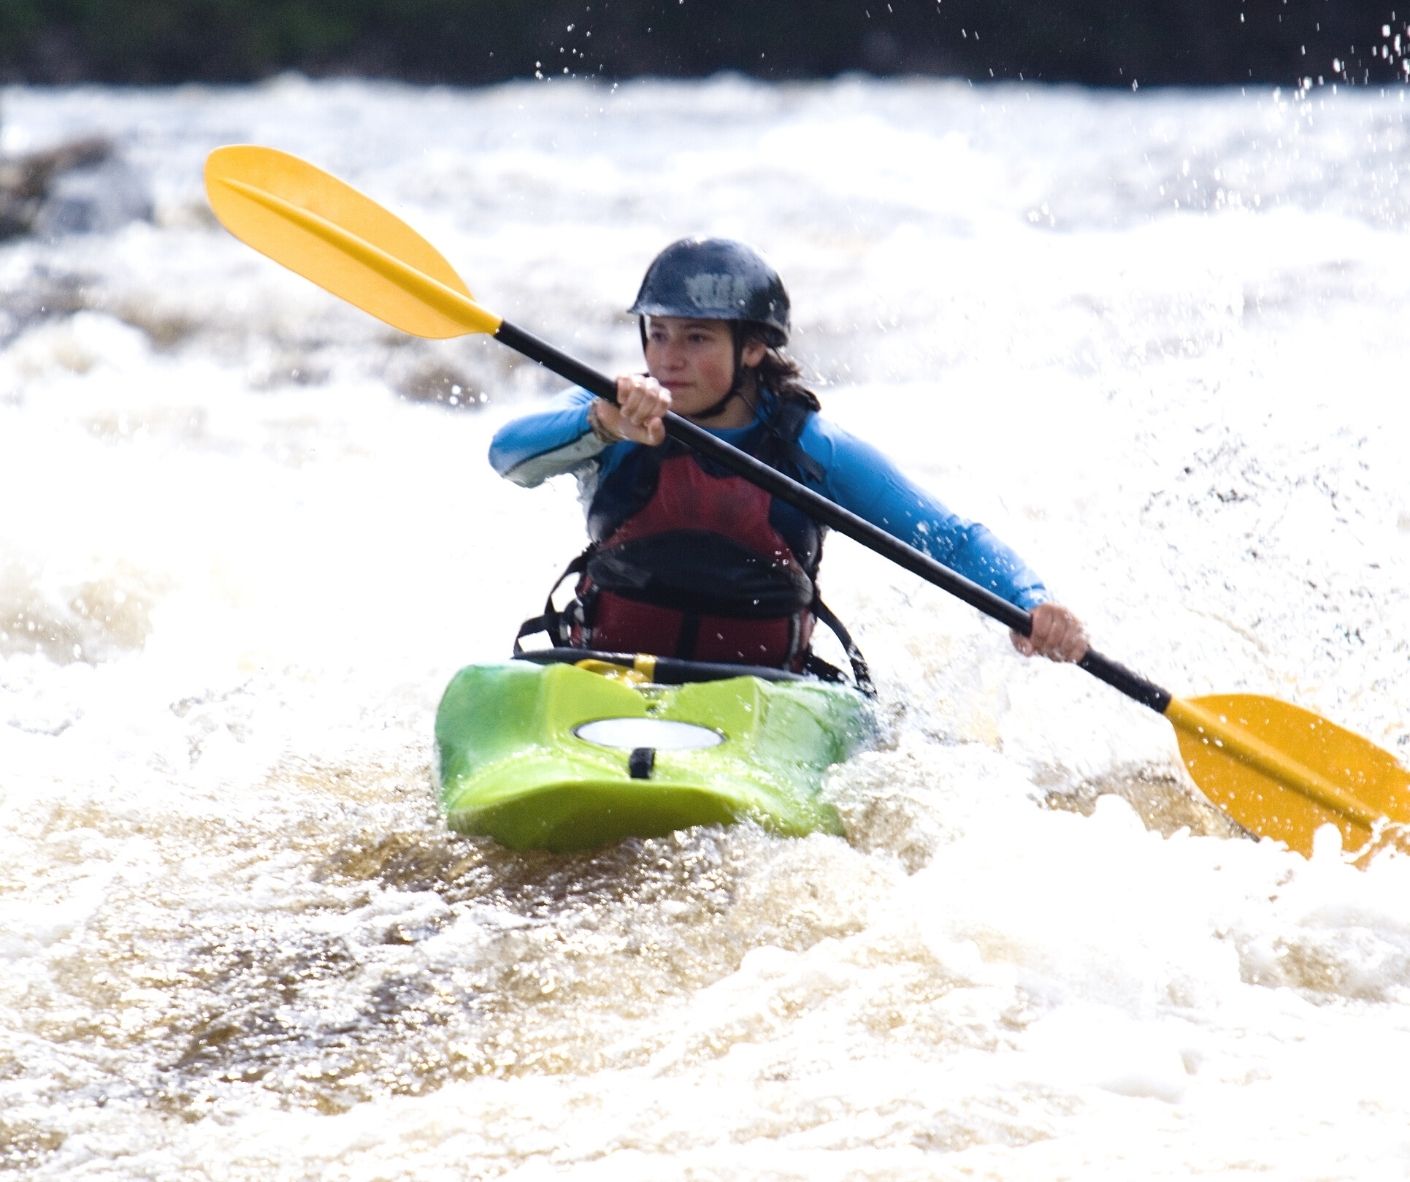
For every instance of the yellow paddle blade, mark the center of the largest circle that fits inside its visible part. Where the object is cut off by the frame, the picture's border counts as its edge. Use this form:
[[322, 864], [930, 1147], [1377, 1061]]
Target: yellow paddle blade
[[326, 231], [1282, 771]]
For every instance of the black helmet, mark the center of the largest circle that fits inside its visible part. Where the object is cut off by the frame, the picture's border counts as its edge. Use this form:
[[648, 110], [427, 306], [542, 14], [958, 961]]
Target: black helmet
[[715, 279]]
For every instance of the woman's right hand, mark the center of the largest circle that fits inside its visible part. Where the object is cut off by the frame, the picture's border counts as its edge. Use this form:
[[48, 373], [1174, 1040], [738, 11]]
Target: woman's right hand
[[642, 403]]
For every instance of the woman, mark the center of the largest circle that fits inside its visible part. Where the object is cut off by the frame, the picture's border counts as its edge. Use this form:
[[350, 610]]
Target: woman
[[692, 561]]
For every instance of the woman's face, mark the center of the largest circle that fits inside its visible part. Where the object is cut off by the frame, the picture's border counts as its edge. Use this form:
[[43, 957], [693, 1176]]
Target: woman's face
[[694, 360]]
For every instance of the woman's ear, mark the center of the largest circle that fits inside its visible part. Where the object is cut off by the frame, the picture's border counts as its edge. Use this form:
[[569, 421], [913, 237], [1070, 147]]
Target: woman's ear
[[753, 352]]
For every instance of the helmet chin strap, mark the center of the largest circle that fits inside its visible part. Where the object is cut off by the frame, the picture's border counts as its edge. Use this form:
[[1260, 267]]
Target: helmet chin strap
[[736, 388]]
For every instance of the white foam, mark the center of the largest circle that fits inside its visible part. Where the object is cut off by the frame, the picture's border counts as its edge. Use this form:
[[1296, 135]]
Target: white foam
[[1151, 340]]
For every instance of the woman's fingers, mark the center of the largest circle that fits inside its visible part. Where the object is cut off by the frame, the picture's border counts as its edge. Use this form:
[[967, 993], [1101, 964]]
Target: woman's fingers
[[641, 404], [1056, 633]]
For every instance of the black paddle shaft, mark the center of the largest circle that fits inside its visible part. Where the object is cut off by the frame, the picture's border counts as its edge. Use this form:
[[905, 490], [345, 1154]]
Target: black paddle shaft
[[831, 514]]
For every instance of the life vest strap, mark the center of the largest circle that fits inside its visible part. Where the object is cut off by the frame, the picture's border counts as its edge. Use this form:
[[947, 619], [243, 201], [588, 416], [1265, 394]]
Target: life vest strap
[[559, 624], [555, 623]]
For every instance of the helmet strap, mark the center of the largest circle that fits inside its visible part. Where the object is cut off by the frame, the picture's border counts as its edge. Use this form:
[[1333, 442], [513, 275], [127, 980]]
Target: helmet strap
[[736, 386]]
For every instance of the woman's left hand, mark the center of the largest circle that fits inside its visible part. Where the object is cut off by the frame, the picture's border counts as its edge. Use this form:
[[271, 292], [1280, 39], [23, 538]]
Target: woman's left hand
[[1057, 634]]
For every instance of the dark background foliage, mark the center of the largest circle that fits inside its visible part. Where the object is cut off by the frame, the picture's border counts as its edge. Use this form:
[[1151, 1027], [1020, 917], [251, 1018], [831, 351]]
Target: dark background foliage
[[468, 42]]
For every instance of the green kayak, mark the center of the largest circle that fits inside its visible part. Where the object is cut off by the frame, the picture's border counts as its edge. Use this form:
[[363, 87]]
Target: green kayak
[[570, 750]]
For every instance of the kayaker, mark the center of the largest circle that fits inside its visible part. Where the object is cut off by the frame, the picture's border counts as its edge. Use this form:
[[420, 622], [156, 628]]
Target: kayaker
[[689, 561]]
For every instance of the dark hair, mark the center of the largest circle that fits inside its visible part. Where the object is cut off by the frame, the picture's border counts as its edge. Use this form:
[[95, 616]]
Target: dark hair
[[781, 373]]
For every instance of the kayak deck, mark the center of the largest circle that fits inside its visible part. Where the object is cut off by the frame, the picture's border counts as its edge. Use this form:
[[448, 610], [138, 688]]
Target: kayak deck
[[564, 758]]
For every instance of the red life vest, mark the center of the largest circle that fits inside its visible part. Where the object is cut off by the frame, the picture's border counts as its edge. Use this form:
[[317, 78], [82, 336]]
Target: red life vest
[[698, 571], [692, 561]]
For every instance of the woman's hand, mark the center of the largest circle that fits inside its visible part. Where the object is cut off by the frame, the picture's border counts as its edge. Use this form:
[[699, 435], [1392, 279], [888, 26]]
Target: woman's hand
[[641, 404], [1057, 634]]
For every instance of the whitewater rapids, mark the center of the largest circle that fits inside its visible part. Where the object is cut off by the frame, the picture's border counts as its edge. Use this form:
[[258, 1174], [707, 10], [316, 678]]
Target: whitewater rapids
[[1156, 341]]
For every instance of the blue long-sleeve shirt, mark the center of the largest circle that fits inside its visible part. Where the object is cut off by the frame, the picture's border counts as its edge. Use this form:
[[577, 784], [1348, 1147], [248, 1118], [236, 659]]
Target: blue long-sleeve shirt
[[558, 440]]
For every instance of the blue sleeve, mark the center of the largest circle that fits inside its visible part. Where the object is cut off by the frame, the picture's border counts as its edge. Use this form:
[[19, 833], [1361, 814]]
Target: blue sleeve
[[859, 478], [549, 442]]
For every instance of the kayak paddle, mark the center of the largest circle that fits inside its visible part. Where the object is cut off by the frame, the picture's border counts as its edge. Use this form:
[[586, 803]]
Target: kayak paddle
[[1278, 770]]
